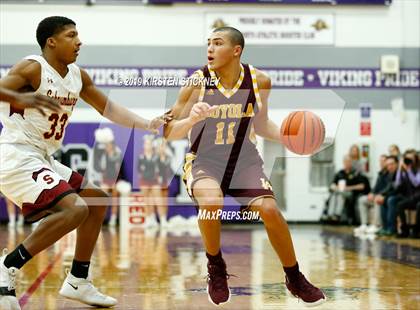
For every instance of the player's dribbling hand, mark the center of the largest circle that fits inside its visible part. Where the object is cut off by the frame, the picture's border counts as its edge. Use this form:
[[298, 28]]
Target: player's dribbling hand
[[200, 111], [155, 124], [36, 101]]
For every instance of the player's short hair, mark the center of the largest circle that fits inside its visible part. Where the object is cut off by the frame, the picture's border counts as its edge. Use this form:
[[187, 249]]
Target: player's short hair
[[235, 36], [50, 26]]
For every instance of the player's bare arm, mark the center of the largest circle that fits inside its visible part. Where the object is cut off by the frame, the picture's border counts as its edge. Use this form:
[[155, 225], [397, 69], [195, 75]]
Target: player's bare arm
[[24, 76], [264, 126], [112, 111], [186, 112]]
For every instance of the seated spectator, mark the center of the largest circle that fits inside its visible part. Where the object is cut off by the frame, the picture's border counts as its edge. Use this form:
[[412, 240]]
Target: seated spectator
[[367, 202], [347, 185], [388, 214], [407, 185], [416, 232], [394, 150]]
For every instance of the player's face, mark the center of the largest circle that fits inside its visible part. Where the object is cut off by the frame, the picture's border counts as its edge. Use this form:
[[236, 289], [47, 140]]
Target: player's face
[[67, 44], [220, 51]]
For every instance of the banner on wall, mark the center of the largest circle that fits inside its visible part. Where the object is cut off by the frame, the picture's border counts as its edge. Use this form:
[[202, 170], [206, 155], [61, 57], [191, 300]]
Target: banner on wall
[[365, 119], [289, 78], [277, 29]]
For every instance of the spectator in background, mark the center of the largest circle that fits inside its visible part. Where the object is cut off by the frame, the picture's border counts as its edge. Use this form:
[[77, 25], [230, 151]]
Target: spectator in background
[[367, 202], [108, 161], [416, 232], [148, 173], [388, 214], [407, 183], [347, 185], [354, 154], [165, 175], [15, 217], [394, 150]]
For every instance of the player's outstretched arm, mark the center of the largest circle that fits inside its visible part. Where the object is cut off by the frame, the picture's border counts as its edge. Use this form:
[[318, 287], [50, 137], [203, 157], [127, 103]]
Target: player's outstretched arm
[[25, 74], [115, 112], [264, 126], [186, 112]]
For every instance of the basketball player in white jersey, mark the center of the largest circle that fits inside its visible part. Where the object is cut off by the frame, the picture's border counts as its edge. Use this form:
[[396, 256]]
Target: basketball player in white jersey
[[42, 187]]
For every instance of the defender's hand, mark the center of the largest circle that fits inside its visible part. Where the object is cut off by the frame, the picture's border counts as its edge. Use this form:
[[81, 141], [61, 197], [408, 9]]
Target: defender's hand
[[155, 124], [35, 101]]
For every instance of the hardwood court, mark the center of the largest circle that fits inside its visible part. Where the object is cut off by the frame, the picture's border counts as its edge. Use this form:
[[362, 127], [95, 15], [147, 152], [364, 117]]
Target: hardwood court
[[166, 270]]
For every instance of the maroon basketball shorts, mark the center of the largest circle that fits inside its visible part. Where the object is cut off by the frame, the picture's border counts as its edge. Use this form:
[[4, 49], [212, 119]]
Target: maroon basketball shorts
[[246, 183]]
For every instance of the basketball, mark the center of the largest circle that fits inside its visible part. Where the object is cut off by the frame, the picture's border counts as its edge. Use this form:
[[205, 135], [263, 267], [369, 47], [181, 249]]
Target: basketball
[[302, 132]]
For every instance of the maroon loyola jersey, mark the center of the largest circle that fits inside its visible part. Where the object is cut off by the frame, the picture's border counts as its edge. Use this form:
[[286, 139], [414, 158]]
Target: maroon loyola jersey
[[227, 137]]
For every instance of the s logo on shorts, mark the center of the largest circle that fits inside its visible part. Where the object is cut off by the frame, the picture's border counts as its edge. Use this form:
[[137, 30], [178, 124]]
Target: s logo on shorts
[[46, 178]]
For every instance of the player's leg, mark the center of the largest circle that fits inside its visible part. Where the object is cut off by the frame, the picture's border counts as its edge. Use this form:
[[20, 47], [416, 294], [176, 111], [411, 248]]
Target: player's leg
[[254, 191], [28, 179], [63, 217], [277, 229], [280, 238], [209, 197], [88, 231], [203, 185], [77, 285]]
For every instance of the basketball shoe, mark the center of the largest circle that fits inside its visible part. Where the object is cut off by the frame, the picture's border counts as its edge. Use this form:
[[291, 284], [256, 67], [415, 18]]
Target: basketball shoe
[[8, 298], [217, 286], [301, 288], [83, 290]]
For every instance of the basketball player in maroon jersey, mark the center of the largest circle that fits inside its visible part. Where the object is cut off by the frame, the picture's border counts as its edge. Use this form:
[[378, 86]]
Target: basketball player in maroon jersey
[[221, 122]]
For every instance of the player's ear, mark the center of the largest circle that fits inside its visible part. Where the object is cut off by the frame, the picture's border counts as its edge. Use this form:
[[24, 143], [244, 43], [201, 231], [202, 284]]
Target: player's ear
[[237, 50], [51, 42]]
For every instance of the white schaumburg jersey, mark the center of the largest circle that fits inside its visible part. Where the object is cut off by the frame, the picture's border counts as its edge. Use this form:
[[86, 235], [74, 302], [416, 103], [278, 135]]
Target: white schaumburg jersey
[[30, 126]]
